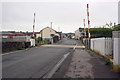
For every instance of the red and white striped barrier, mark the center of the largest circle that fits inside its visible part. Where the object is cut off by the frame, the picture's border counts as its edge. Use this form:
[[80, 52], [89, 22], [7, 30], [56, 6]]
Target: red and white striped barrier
[[34, 25], [88, 21]]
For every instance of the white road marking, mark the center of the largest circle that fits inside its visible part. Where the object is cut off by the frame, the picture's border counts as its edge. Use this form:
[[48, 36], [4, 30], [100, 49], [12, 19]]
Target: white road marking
[[75, 47], [10, 53], [52, 72]]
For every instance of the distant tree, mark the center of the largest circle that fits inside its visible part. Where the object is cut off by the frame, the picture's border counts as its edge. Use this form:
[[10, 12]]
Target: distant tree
[[114, 25], [109, 24], [103, 26]]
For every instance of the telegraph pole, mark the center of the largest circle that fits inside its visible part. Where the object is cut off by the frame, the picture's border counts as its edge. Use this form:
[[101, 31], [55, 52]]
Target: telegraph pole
[[51, 35], [58, 29], [88, 25], [51, 24]]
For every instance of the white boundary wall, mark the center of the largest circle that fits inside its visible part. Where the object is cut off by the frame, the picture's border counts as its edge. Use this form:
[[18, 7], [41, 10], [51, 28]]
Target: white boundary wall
[[32, 42], [102, 45], [98, 44], [107, 46]]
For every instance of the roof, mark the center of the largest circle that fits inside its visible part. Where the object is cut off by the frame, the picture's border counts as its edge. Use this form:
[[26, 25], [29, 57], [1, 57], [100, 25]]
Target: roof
[[49, 28], [6, 33]]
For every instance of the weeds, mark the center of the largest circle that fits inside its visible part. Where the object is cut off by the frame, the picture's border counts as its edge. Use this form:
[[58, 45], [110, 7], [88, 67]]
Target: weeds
[[108, 62]]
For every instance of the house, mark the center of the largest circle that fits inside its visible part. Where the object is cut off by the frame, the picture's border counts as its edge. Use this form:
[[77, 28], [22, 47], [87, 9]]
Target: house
[[49, 34], [79, 33]]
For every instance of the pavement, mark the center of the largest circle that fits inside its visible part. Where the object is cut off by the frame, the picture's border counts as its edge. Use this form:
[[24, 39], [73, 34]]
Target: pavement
[[84, 64]]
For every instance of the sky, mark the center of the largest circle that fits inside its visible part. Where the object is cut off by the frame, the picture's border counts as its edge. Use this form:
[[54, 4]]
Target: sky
[[67, 16]]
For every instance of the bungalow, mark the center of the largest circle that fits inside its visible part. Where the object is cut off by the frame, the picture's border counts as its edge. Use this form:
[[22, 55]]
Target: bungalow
[[49, 34]]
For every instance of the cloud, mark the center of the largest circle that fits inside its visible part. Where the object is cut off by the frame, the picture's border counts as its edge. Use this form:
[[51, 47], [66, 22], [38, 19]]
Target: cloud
[[66, 15]]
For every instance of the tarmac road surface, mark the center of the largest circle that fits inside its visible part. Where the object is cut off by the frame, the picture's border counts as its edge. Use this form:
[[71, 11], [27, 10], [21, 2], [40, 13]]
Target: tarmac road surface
[[34, 62]]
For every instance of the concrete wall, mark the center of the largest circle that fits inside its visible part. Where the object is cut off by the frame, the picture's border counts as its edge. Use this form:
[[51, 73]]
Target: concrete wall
[[108, 46], [116, 48], [102, 45], [32, 42], [98, 44], [117, 51]]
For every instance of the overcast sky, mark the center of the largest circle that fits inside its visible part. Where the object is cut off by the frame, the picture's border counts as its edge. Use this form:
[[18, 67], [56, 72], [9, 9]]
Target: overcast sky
[[68, 16]]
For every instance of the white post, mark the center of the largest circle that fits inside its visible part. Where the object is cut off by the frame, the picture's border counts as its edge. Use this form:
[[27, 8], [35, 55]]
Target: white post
[[116, 54], [116, 51]]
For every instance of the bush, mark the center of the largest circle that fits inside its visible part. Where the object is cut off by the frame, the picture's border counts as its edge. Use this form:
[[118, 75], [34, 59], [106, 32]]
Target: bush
[[116, 28], [39, 39], [100, 32], [108, 62]]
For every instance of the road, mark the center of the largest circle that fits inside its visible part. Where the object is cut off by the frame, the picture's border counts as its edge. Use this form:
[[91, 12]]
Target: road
[[35, 62]]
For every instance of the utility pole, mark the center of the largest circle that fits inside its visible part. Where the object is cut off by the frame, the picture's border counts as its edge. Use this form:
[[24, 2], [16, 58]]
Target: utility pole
[[33, 26], [51, 34], [51, 24], [88, 25], [58, 29]]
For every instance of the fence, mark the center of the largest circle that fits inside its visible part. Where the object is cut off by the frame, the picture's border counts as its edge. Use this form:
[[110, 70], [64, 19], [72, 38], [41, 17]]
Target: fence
[[102, 45]]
